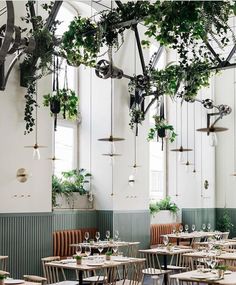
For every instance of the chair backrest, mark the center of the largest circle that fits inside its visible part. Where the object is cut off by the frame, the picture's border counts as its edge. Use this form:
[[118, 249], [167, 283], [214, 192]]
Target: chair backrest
[[49, 275], [133, 272], [3, 262], [157, 230], [151, 261], [62, 241], [132, 249]]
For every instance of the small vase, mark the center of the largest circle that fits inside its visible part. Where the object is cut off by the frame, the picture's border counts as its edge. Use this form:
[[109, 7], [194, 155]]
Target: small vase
[[221, 273], [78, 262], [2, 282], [108, 257]]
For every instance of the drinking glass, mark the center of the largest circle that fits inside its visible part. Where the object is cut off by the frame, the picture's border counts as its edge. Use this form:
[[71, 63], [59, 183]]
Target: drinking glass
[[78, 249], [100, 248], [174, 230], [86, 236], [208, 227], [97, 236], [116, 235], [115, 248], [108, 234], [180, 228], [203, 227], [186, 228], [208, 261], [193, 227], [165, 240], [87, 250], [213, 262]]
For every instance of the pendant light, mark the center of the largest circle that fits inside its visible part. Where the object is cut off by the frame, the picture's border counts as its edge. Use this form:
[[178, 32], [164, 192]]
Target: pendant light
[[187, 164], [234, 173], [181, 150], [36, 146], [111, 139], [132, 176], [194, 138]]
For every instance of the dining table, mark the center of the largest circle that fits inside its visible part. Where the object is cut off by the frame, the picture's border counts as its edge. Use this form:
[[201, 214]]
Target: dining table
[[92, 263], [166, 251], [205, 277], [189, 236]]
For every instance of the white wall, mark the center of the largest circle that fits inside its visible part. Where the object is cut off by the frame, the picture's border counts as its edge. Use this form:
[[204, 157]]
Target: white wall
[[35, 194]]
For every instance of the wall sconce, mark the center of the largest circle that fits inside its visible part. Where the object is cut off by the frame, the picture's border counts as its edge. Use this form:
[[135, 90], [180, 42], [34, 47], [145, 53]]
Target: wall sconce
[[131, 180], [206, 184], [22, 175]]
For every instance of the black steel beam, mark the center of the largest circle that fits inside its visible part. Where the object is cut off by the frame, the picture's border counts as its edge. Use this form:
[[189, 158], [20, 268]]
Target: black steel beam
[[221, 67], [157, 56], [230, 55], [32, 14], [135, 29], [119, 4], [213, 52], [51, 18]]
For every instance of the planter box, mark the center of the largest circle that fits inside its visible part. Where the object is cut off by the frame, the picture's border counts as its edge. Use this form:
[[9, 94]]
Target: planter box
[[163, 217], [76, 201]]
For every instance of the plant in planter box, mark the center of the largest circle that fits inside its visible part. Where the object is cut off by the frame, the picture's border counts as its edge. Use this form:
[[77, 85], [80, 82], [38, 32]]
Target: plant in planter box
[[71, 182], [164, 204], [108, 255]]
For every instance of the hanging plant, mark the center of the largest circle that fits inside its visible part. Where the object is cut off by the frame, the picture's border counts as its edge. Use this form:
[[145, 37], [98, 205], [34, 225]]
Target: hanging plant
[[64, 102], [136, 117], [39, 62], [160, 125]]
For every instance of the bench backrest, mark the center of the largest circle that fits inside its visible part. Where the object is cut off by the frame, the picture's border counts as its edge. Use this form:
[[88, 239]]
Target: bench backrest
[[157, 230]]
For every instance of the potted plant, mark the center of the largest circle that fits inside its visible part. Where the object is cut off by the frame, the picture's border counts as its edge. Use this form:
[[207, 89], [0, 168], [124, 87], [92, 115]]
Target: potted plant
[[224, 222], [221, 270], [69, 191], [163, 211], [108, 255], [78, 259], [2, 278]]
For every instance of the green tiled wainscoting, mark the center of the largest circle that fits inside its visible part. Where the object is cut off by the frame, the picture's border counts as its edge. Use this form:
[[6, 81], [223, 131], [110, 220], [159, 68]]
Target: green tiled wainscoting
[[199, 216], [133, 226], [26, 238]]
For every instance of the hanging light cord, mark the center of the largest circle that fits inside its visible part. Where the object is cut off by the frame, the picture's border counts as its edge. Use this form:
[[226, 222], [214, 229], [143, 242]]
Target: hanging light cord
[[36, 114], [181, 125], [66, 79], [187, 130], [194, 137]]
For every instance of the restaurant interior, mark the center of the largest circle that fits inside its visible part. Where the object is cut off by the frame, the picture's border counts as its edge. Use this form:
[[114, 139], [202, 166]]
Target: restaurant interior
[[118, 160]]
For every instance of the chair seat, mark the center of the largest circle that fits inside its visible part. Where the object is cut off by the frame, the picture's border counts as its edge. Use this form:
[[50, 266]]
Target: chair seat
[[34, 278], [127, 282], [175, 267], [66, 283], [154, 271], [95, 278]]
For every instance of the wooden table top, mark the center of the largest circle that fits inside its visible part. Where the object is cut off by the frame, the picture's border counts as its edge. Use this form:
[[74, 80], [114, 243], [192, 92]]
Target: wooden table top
[[187, 235], [205, 278], [105, 244], [167, 251], [92, 263]]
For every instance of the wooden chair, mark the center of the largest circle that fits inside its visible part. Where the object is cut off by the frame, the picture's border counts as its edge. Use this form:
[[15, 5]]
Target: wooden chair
[[132, 249], [132, 273], [3, 262], [152, 266]]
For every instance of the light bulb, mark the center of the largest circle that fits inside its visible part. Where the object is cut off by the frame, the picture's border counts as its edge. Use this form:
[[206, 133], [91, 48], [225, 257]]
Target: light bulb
[[131, 180], [181, 157], [113, 148], [213, 139], [36, 154]]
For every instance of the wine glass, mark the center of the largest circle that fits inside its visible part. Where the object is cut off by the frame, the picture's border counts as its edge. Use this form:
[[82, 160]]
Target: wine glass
[[186, 228], [108, 234], [115, 248], [213, 262], [87, 250], [180, 228], [97, 236], [116, 235], [174, 230], [208, 261], [208, 227], [78, 249], [193, 227], [100, 248], [165, 240], [86, 236], [204, 227]]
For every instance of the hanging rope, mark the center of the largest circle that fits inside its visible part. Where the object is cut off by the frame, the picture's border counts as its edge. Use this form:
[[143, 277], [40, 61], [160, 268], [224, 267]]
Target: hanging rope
[[194, 137]]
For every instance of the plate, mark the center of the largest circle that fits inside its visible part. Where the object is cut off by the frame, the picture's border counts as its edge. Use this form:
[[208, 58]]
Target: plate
[[120, 258], [94, 263], [228, 272], [199, 276], [65, 261], [13, 281]]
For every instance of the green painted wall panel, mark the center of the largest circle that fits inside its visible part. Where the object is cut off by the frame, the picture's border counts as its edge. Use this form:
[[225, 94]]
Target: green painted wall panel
[[105, 222], [198, 216]]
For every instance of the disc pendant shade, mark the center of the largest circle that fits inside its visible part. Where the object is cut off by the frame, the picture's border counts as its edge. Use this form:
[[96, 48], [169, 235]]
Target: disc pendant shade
[[212, 130], [181, 149], [111, 139]]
